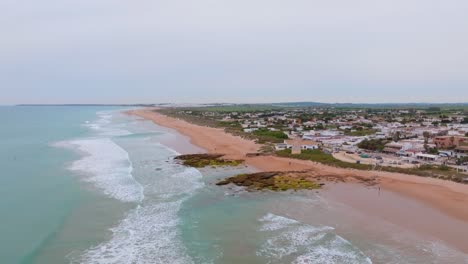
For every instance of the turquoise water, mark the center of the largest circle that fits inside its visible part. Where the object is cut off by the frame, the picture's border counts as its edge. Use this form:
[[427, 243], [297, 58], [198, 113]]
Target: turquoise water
[[37, 191], [92, 185]]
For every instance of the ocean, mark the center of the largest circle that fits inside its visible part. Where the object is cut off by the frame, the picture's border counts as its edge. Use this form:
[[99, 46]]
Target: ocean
[[93, 185]]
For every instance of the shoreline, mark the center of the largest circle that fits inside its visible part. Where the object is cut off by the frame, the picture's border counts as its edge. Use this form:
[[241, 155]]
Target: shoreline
[[448, 198]]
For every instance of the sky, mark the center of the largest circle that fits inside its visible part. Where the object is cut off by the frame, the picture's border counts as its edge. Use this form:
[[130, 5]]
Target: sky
[[236, 51]]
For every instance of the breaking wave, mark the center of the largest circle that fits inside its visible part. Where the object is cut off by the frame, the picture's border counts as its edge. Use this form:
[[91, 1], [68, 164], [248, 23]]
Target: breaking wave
[[291, 241], [150, 234], [108, 167]]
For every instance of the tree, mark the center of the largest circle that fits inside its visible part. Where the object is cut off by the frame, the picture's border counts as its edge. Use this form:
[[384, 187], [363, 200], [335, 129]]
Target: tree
[[373, 144], [396, 136], [433, 151], [426, 136]]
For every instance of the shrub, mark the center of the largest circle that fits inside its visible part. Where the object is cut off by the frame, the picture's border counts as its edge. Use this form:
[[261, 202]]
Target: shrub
[[272, 134], [442, 171], [372, 144]]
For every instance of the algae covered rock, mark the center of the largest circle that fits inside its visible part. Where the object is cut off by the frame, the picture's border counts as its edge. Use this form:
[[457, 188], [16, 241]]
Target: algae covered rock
[[275, 181], [204, 160]]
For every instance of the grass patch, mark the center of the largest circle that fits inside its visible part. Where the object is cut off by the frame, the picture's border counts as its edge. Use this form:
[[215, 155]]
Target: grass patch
[[360, 133], [269, 133], [441, 172], [265, 135], [320, 156]]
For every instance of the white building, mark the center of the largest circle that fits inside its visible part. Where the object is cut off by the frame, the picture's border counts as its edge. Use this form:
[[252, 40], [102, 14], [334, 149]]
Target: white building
[[427, 157]]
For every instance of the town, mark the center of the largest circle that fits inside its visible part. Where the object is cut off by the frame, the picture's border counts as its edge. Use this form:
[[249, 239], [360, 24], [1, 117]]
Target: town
[[385, 137]]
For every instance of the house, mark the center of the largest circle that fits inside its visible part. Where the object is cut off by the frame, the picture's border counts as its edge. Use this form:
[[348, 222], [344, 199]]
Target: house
[[392, 148], [250, 130], [445, 153], [461, 151], [426, 157], [281, 146], [297, 145], [447, 142]]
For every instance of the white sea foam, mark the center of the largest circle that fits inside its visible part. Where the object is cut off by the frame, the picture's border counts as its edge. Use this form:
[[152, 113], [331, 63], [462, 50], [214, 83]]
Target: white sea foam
[[108, 166], [103, 126], [289, 238], [274, 222], [150, 234], [177, 185], [336, 250]]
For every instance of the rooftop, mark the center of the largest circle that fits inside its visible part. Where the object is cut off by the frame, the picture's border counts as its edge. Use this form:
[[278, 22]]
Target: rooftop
[[427, 155]]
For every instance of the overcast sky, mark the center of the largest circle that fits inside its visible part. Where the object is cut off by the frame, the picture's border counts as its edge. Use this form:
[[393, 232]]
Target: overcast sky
[[114, 51]]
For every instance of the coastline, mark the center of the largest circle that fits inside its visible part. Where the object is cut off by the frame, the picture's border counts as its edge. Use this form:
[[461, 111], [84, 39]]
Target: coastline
[[450, 199]]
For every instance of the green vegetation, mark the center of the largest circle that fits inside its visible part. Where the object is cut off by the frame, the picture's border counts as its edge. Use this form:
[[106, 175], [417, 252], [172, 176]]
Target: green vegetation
[[237, 108], [204, 160], [433, 151], [442, 172], [265, 135], [433, 109], [275, 181], [284, 183], [360, 132], [321, 157], [295, 117], [372, 144], [426, 135], [195, 116]]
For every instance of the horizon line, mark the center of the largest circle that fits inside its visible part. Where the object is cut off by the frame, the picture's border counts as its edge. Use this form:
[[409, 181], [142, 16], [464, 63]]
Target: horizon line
[[239, 103]]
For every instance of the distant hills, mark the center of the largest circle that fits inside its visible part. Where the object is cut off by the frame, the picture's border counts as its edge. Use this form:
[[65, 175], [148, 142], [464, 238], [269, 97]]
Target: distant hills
[[284, 104]]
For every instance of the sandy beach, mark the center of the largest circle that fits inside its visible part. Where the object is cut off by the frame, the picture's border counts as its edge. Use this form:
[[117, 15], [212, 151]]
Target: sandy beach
[[447, 200]]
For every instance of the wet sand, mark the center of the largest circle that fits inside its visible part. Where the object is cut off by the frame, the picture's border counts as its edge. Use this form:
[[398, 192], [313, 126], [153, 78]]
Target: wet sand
[[450, 199], [411, 214]]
